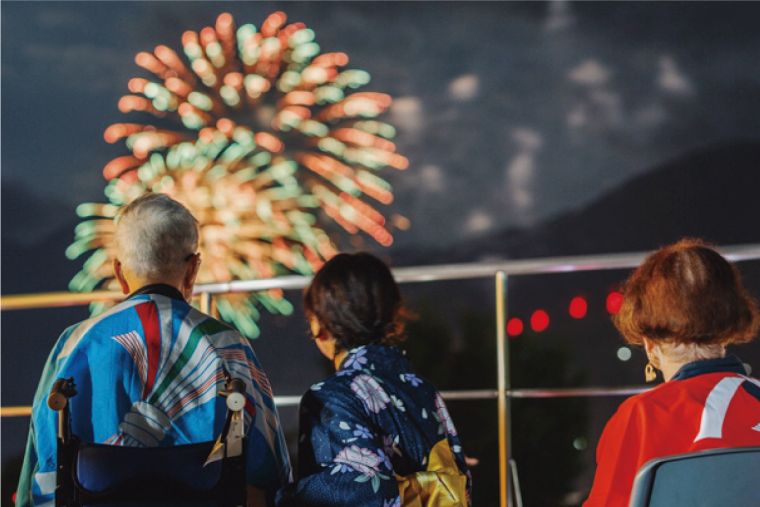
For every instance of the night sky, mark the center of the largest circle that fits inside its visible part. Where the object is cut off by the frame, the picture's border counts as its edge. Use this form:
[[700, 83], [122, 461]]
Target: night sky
[[511, 114]]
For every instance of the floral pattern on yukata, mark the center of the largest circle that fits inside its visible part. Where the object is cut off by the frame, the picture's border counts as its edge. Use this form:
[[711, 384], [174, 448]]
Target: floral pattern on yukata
[[364, 461], [357, 360], [443, 416], [396, 502], [370, 392], [371, 421]]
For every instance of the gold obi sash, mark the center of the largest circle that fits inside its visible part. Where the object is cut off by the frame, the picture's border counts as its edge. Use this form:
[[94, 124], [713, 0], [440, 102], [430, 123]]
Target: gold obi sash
[[441, 485]]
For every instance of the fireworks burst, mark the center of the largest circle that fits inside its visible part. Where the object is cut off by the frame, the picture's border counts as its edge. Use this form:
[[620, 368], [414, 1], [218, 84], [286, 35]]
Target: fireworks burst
[[256, 132]]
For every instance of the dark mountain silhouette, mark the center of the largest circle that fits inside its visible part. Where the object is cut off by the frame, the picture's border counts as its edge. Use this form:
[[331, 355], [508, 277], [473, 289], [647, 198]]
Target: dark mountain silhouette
[[710, 193]]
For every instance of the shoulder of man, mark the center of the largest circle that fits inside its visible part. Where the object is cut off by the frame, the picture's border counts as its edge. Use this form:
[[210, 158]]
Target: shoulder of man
[[76, 334], [217, 331], [215, 325]]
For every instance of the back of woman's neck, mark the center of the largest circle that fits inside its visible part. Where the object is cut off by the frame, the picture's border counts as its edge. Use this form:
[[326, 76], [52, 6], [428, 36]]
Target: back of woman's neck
[[675, 359], [670, 368], [339, 357]]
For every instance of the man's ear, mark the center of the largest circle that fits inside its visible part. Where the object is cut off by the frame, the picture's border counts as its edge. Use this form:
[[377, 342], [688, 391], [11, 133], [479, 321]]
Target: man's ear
[[191, 272], [120, 276]]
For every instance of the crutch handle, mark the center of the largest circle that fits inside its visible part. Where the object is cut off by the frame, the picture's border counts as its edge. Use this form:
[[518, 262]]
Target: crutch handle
[[235, 394], [62, 390]]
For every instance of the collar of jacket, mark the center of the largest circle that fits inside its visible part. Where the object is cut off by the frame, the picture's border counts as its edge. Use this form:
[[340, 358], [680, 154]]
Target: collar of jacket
[[161, 289], [730, 363], [381, 356]]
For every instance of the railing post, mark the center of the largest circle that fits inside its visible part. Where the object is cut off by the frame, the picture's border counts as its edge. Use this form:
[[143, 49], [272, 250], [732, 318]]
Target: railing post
[[501, 373], [206, 303]]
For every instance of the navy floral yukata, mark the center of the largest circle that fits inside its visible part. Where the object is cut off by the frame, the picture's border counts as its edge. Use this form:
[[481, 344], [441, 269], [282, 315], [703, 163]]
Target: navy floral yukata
[[375, 434]]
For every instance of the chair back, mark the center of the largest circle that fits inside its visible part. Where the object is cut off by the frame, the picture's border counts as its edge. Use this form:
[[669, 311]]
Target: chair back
[[713, 478], [114, 475], [203, 474]]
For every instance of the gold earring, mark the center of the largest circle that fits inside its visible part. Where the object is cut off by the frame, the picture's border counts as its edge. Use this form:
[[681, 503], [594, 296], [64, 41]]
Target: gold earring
[[649, 373]]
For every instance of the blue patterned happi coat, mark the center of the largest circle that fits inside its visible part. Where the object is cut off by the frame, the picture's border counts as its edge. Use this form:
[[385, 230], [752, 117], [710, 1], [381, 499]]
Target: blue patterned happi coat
[[147, 374], [376, 434]]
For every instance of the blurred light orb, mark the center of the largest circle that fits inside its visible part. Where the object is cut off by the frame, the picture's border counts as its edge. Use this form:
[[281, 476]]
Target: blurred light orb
[[515, 327], [578, 307], [580, 443], [539, 321], [624, 353], [614, 302]]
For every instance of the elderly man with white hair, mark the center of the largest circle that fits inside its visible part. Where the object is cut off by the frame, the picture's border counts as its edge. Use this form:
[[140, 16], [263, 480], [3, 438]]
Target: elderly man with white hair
[[149, 370]]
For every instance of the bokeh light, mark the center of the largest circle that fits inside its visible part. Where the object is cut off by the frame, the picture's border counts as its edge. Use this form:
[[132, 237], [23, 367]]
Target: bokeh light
[[624, 353], [614, 302], [539, 321], [580, 443], [515, 327], [578, 307]]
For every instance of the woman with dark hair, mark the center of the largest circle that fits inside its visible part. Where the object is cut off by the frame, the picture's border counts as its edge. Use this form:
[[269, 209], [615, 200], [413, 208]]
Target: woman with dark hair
[[684, 305], [373, 434]]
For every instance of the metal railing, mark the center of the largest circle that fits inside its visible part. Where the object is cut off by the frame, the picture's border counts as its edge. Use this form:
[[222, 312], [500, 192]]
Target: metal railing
[[499, 271]]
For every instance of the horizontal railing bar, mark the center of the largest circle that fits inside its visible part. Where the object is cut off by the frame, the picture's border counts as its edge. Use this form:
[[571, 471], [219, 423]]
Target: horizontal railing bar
[[576, 392], [287, 401], [547, 265], [477, 394], [20, 411], [441, 272], [482, 394], [56, 299]]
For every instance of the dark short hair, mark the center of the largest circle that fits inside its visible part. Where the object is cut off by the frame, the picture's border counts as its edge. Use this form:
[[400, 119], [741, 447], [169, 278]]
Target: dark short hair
[[687, 293], [355, 298]]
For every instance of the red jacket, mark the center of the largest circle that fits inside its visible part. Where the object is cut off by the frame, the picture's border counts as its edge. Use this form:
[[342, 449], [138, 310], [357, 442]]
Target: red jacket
[[707, 405]]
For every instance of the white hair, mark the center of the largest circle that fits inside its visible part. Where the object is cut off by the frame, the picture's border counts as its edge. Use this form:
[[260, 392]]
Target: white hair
[[155, 235], [688, 352]]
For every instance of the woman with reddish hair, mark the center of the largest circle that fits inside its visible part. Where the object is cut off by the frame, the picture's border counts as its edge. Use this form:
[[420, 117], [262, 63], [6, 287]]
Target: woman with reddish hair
[[685, 304]]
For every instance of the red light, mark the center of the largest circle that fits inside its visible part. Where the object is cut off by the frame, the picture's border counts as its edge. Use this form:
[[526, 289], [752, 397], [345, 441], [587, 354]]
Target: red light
[[539, 321], [514, 327], [614, 302], [578, 307]]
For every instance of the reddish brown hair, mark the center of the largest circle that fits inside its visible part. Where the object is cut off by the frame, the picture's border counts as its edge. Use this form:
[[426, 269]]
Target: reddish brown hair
[[687, 293]]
